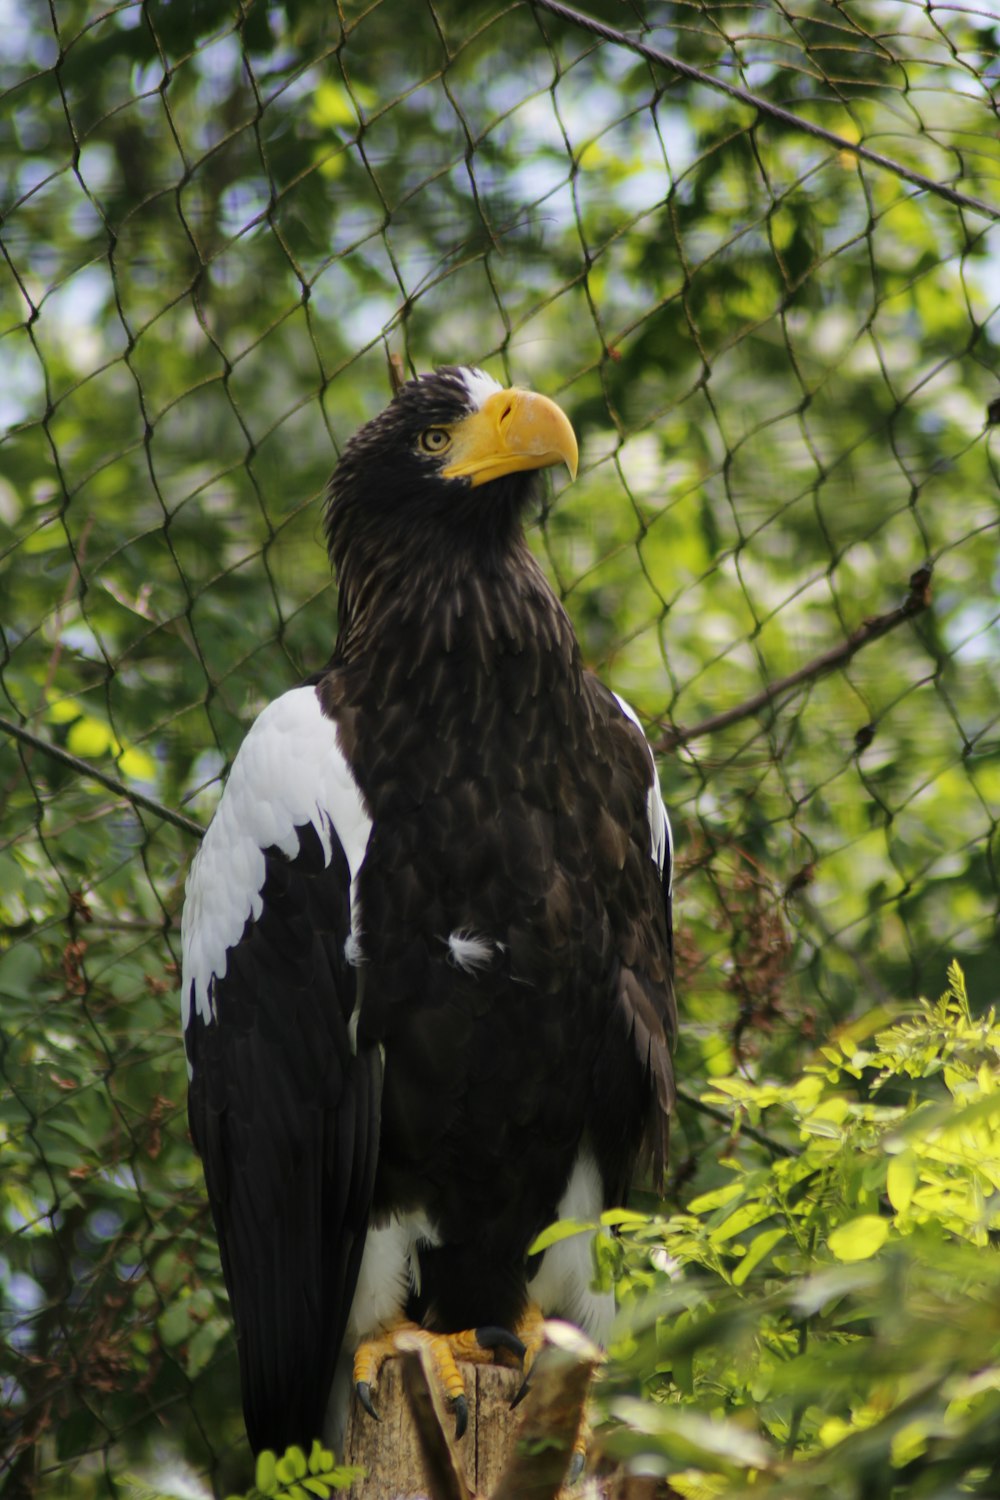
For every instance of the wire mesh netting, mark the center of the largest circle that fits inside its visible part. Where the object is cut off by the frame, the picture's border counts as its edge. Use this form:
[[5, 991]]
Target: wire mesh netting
[[750, 249]]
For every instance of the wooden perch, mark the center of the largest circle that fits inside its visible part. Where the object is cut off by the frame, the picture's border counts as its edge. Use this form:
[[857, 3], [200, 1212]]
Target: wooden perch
[[505, 1455], [391, 1452]]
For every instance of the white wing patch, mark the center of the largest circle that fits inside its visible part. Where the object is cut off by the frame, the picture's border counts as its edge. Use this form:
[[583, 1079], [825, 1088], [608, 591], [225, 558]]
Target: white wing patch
[[661, 839], [290, 771]]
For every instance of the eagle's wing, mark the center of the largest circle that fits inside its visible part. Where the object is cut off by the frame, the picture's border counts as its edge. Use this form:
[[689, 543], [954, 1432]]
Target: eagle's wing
[[661, 838], [642, 919], [283, 1109]]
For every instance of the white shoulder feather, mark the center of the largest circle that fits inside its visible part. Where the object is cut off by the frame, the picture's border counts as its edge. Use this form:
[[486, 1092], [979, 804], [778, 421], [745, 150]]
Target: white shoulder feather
[[661, 841]]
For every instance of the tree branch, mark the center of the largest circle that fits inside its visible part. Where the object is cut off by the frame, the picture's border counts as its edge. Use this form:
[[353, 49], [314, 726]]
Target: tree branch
[[111, 783], [773, 111], [560, 1383], [915, 603], [740, 1127]]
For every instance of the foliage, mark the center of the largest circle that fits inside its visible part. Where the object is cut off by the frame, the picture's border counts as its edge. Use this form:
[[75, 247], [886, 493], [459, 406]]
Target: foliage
[[216, 220], [293, 1476], [826, 1322]]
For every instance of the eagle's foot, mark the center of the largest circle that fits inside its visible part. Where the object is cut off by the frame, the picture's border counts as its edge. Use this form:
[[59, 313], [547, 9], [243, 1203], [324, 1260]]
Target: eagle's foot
[[473, 1345], [531, 1332], [578, 1459]]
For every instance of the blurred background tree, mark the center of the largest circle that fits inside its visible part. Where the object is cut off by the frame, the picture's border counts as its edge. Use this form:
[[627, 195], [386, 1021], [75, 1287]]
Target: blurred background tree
[[218, 221]]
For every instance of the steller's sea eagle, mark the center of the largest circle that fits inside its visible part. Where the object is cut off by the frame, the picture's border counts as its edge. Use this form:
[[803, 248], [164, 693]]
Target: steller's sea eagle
[[427, 956]]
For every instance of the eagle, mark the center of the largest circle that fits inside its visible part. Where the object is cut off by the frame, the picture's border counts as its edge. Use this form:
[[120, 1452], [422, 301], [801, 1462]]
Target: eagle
[[427, 982]]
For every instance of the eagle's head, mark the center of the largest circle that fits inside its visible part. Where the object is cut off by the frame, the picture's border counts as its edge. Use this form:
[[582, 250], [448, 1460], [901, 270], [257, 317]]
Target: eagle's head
[[447, 470]]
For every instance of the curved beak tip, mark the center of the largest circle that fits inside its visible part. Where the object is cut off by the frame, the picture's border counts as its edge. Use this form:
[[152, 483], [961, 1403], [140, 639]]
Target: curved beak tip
[[551, 433]]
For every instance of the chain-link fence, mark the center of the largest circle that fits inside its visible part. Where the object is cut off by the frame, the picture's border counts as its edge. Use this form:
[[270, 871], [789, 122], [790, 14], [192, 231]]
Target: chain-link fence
[[750, 249]]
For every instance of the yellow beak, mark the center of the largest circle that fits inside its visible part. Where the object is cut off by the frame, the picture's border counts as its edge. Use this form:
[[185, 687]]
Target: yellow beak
[[512, 430]]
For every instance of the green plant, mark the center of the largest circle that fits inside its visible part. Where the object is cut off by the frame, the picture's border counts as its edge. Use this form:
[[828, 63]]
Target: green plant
[[828, 1321]]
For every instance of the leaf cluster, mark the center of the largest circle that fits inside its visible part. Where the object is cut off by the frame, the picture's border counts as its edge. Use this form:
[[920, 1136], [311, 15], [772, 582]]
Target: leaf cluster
[[826, 1322], [294, 1476]]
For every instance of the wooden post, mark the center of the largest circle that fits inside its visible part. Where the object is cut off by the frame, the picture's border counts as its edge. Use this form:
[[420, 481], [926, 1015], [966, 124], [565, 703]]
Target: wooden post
[[391, 1451], [411, 1454]]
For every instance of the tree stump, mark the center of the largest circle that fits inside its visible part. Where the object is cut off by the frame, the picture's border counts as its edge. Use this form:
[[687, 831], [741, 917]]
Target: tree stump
[[391, 1450], [411, 1454]]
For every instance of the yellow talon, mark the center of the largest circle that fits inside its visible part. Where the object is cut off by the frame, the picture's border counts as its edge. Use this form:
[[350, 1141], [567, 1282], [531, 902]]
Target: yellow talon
[[445, 1368], [530, 1330], [578, 1458], [371, 1355], [471, 1345]]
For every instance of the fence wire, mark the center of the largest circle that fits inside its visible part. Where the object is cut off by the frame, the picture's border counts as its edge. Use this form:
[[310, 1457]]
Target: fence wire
[[751, 249]]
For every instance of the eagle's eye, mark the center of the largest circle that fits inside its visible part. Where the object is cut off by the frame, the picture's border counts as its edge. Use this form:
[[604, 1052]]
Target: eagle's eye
[[435, 440]]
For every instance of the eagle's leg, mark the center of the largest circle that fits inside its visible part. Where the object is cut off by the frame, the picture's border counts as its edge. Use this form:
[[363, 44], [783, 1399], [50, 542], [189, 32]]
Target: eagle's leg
[[474, 1345]]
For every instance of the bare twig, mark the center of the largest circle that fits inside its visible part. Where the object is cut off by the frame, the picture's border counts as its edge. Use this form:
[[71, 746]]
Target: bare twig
[[773, 111], [111, 783], [553, 1411], [397, 373], [915, 603]]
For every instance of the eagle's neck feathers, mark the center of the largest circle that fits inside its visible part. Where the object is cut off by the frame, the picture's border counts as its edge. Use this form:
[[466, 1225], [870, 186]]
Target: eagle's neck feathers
[[459, 604]]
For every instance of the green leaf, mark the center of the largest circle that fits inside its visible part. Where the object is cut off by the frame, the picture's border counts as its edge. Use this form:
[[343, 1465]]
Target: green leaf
[[320, 1458], [717, 1199], [564, 1229], [860, 1238], [137, 765], [291, 1465], [620, 1217], [267, 1472], [901, 1179], [760, 1247], [90, 739]]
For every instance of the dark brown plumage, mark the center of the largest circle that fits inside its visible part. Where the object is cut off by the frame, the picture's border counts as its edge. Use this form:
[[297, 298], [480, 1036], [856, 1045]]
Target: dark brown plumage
[[423, 1045]]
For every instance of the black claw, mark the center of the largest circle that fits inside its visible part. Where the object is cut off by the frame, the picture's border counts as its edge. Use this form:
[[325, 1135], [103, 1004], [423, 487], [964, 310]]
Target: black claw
[[500, 1338], [523, 1390], [364, 1393], [461, 1409], [575, 1469]]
